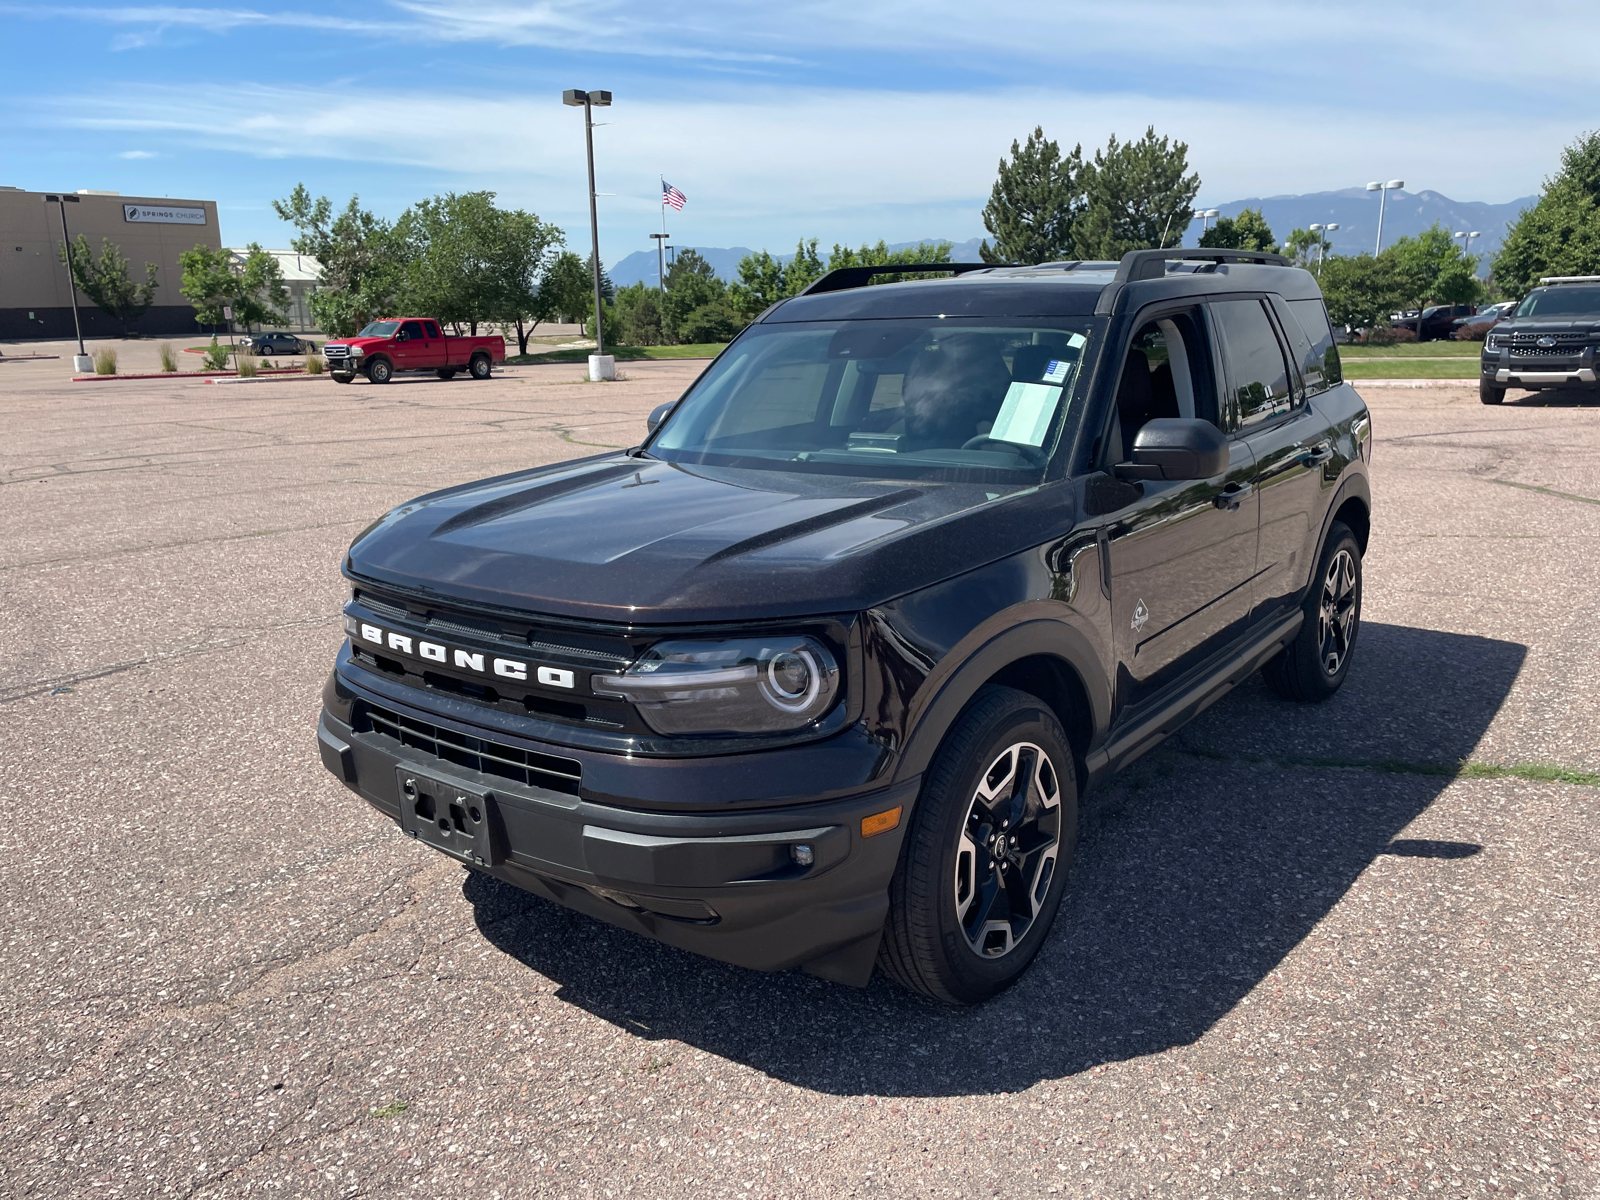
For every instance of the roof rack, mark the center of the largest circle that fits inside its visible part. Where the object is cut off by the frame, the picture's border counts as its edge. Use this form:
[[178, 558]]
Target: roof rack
[[842, 278], [1570, 279], [1152, 264]]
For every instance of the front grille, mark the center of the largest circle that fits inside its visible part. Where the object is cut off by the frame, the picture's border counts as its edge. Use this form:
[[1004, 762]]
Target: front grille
[[1544, 353], [336, 352], [1560, 339], [527, 767]]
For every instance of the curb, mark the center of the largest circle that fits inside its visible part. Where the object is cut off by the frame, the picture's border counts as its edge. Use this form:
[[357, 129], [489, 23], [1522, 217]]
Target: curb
[[208, 376], [262, 378], [1358, 384]]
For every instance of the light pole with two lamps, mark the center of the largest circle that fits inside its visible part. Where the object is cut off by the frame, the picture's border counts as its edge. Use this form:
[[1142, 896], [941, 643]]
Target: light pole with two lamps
[[81, 362], [601, 364], [1383, 190], [1322, 232]]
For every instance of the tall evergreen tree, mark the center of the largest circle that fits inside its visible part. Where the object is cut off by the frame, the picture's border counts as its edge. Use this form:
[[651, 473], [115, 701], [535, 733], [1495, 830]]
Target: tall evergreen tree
[[1035, 203], [1138, 195], [1560, 234]]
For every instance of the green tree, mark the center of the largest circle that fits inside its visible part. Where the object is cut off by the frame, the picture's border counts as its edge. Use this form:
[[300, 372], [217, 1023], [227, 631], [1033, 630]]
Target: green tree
[[1560, 234], [1248, 231], [565, 290], [362, 263], [105, 280], [762, 280], [1360, 290], [881, 256], [253, 287], [1301, 245], [1433, 268], [635, 316], [1137, 194], [693, 285], [1035, 203]]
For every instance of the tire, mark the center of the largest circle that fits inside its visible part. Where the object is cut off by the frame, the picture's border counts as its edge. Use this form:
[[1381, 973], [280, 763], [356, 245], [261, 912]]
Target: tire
[[1490, 393], [480, 366], [1314, 666], [942, 937], [341, 377], [379, 370], [446, 373]]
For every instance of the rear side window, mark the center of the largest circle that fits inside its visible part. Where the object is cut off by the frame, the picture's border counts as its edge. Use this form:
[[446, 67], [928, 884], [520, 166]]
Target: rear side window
[[1257, 372], [1320, 365], [433, 330]]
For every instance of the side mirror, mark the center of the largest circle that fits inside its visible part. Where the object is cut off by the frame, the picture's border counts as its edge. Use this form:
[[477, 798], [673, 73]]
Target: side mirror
[[402, 336], [1177, 448], [657, 415]]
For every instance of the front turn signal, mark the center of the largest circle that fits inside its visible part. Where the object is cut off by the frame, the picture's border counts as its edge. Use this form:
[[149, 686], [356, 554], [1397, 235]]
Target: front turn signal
[[880, 822]]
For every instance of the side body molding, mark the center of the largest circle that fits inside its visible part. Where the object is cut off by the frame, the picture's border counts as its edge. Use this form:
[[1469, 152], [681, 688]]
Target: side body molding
[[1032, 628]]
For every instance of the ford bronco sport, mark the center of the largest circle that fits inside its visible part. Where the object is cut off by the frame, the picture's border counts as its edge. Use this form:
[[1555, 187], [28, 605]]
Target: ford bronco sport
[[818, 674]]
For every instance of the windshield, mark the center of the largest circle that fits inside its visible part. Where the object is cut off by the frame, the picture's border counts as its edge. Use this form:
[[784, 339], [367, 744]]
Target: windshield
[[958, 399], [380, 329], [1561, 302]]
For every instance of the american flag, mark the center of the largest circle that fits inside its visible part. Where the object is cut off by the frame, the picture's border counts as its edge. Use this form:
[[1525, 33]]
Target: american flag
[[671, 195]]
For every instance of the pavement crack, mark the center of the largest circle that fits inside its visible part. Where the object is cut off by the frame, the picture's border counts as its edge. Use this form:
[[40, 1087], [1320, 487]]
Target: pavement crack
[[1533, 487]]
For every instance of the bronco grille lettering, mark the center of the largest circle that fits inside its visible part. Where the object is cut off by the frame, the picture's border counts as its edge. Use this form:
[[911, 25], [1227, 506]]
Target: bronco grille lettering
[[477, 661]]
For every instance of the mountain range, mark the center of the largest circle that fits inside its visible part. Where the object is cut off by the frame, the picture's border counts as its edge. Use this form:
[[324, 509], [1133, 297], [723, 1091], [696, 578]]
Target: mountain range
[[1354, 210]]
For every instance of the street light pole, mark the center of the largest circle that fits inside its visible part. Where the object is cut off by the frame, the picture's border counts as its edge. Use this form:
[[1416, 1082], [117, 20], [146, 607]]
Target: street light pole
[[81, 362], [1383, 190], [661, 260], [1322, 232], [601, 366]]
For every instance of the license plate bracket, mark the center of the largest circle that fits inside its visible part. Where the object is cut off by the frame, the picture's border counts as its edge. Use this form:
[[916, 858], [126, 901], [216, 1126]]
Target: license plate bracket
[[463, 822]]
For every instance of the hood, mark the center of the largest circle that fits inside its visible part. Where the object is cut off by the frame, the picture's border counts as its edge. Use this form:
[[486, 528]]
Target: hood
[[639, 541], [1585, 324]]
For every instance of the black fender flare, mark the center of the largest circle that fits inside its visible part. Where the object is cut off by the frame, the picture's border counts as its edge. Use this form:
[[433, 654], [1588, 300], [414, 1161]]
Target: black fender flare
[[1032, 628], [1355, 486]]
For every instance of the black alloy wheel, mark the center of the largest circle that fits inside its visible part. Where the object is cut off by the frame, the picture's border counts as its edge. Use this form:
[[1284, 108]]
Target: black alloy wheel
[[1315, 664], [986, 858], [480, 366], [1490, 393], [379, 370]]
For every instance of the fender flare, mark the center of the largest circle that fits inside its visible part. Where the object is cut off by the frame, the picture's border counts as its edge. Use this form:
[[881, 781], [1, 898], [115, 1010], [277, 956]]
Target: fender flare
[[1355, 486], [1031, 629]]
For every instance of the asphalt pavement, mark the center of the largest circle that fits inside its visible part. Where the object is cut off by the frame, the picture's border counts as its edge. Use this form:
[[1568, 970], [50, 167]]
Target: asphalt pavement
[[1305, 950]]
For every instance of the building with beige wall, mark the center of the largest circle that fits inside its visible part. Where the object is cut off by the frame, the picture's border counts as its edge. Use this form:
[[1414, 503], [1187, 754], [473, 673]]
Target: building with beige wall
[[35, 300]]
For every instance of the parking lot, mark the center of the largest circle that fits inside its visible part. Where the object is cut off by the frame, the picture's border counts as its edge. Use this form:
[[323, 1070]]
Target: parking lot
[[1304, 952]]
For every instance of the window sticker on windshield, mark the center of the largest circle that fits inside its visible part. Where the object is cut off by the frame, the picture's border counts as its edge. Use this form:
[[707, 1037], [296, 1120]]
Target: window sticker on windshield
[[1056, 372], [1026, 413]]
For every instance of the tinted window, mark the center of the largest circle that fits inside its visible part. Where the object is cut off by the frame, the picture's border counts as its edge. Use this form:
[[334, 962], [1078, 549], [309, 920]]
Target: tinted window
[[1561, 302], [1320, 365], [412, 329], [925, 398], [1257, 372], [433, 330]]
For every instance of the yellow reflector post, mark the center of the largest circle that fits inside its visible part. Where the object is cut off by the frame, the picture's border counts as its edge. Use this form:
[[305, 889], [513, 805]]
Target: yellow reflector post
[[880, 822]]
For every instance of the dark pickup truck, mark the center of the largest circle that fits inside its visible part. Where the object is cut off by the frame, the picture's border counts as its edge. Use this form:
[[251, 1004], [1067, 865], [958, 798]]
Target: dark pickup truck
[[396, 344], [1550, 340], [817, 674]]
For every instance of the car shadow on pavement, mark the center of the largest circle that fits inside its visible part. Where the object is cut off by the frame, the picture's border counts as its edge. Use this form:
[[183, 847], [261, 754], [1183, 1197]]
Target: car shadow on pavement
[[1198, 870]]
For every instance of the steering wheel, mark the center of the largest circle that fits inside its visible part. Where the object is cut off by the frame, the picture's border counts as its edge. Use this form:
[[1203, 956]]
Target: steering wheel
[[1032, 454]]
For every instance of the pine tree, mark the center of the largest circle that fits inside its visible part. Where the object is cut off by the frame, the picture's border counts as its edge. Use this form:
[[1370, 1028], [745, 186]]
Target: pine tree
[[1035, 203], [1137, 196]]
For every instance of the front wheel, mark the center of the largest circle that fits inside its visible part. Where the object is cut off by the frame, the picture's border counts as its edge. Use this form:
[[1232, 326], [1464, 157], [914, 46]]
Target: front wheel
[[341, 376], [379, 371], [1489, 393], [480, 366], [1314, 665], [985, 861]]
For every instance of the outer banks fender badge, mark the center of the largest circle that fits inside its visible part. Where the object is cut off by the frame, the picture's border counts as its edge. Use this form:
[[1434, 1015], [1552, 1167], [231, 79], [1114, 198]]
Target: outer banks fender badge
[[1141, 614]]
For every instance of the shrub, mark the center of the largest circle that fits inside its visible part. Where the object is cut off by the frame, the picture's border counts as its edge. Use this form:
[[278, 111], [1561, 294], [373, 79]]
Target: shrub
[[169, 360], [314, 364], [247, 364], [105, 361], [216, 356], [1389, 335], [713, 322], [1475, 331]]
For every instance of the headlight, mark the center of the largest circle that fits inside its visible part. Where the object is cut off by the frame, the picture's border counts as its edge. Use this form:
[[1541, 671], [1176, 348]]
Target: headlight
[[1492, 342], [750, 685], [357, 350]]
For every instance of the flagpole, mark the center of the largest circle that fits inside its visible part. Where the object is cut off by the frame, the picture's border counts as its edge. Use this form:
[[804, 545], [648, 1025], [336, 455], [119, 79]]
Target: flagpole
[[661, 246]]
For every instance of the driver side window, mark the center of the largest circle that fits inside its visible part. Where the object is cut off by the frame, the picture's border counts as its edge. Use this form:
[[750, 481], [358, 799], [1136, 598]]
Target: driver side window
[[1166, 373]]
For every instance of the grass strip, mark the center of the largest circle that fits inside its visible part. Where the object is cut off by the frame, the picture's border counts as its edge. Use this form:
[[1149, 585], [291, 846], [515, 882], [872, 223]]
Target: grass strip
[[1444, 349], [621, 354], [1410, 368], [1465, 769], [1533, 487]]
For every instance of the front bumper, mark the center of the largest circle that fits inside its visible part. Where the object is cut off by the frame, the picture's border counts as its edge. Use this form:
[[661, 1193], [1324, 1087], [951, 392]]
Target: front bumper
[[726, 884]]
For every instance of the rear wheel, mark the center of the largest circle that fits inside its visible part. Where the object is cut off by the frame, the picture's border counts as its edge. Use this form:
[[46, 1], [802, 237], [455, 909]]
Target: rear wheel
[[985, 861], [480, 366], [1314, 665], [1490, 393], [379, 370], [446, 373]]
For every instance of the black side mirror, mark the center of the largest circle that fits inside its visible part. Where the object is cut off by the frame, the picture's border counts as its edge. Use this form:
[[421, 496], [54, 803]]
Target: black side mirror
[[1176, 448], [657, 415]]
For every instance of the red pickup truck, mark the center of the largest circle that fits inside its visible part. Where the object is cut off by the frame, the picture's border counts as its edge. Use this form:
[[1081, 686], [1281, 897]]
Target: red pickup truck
[[410, 344]]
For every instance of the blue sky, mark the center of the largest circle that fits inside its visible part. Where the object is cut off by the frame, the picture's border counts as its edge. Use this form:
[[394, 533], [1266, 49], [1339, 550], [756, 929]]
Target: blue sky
[[844, 121]]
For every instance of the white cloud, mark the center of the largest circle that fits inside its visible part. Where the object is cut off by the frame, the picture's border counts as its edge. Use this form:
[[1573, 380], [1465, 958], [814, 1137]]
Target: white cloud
[[137, 154]]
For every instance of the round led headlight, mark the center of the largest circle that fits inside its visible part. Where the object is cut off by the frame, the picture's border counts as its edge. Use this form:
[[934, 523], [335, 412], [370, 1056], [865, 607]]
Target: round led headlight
[[744, 685]]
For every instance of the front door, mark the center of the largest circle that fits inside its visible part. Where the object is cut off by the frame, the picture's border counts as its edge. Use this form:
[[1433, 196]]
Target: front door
[[1181, 557], [409, 347]]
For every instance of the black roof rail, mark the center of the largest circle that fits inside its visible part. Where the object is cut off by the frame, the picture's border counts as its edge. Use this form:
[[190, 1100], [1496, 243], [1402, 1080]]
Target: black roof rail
[[842, 278], [1152, 264]]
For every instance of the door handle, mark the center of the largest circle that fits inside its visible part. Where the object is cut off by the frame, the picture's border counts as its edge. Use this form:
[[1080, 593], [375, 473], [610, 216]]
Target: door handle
[[1230, 497], [1317, 455]]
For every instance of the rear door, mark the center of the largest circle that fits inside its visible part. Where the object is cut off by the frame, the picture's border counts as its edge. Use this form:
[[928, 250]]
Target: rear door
[[1181, 557], [1288, 440], [433, 346]]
